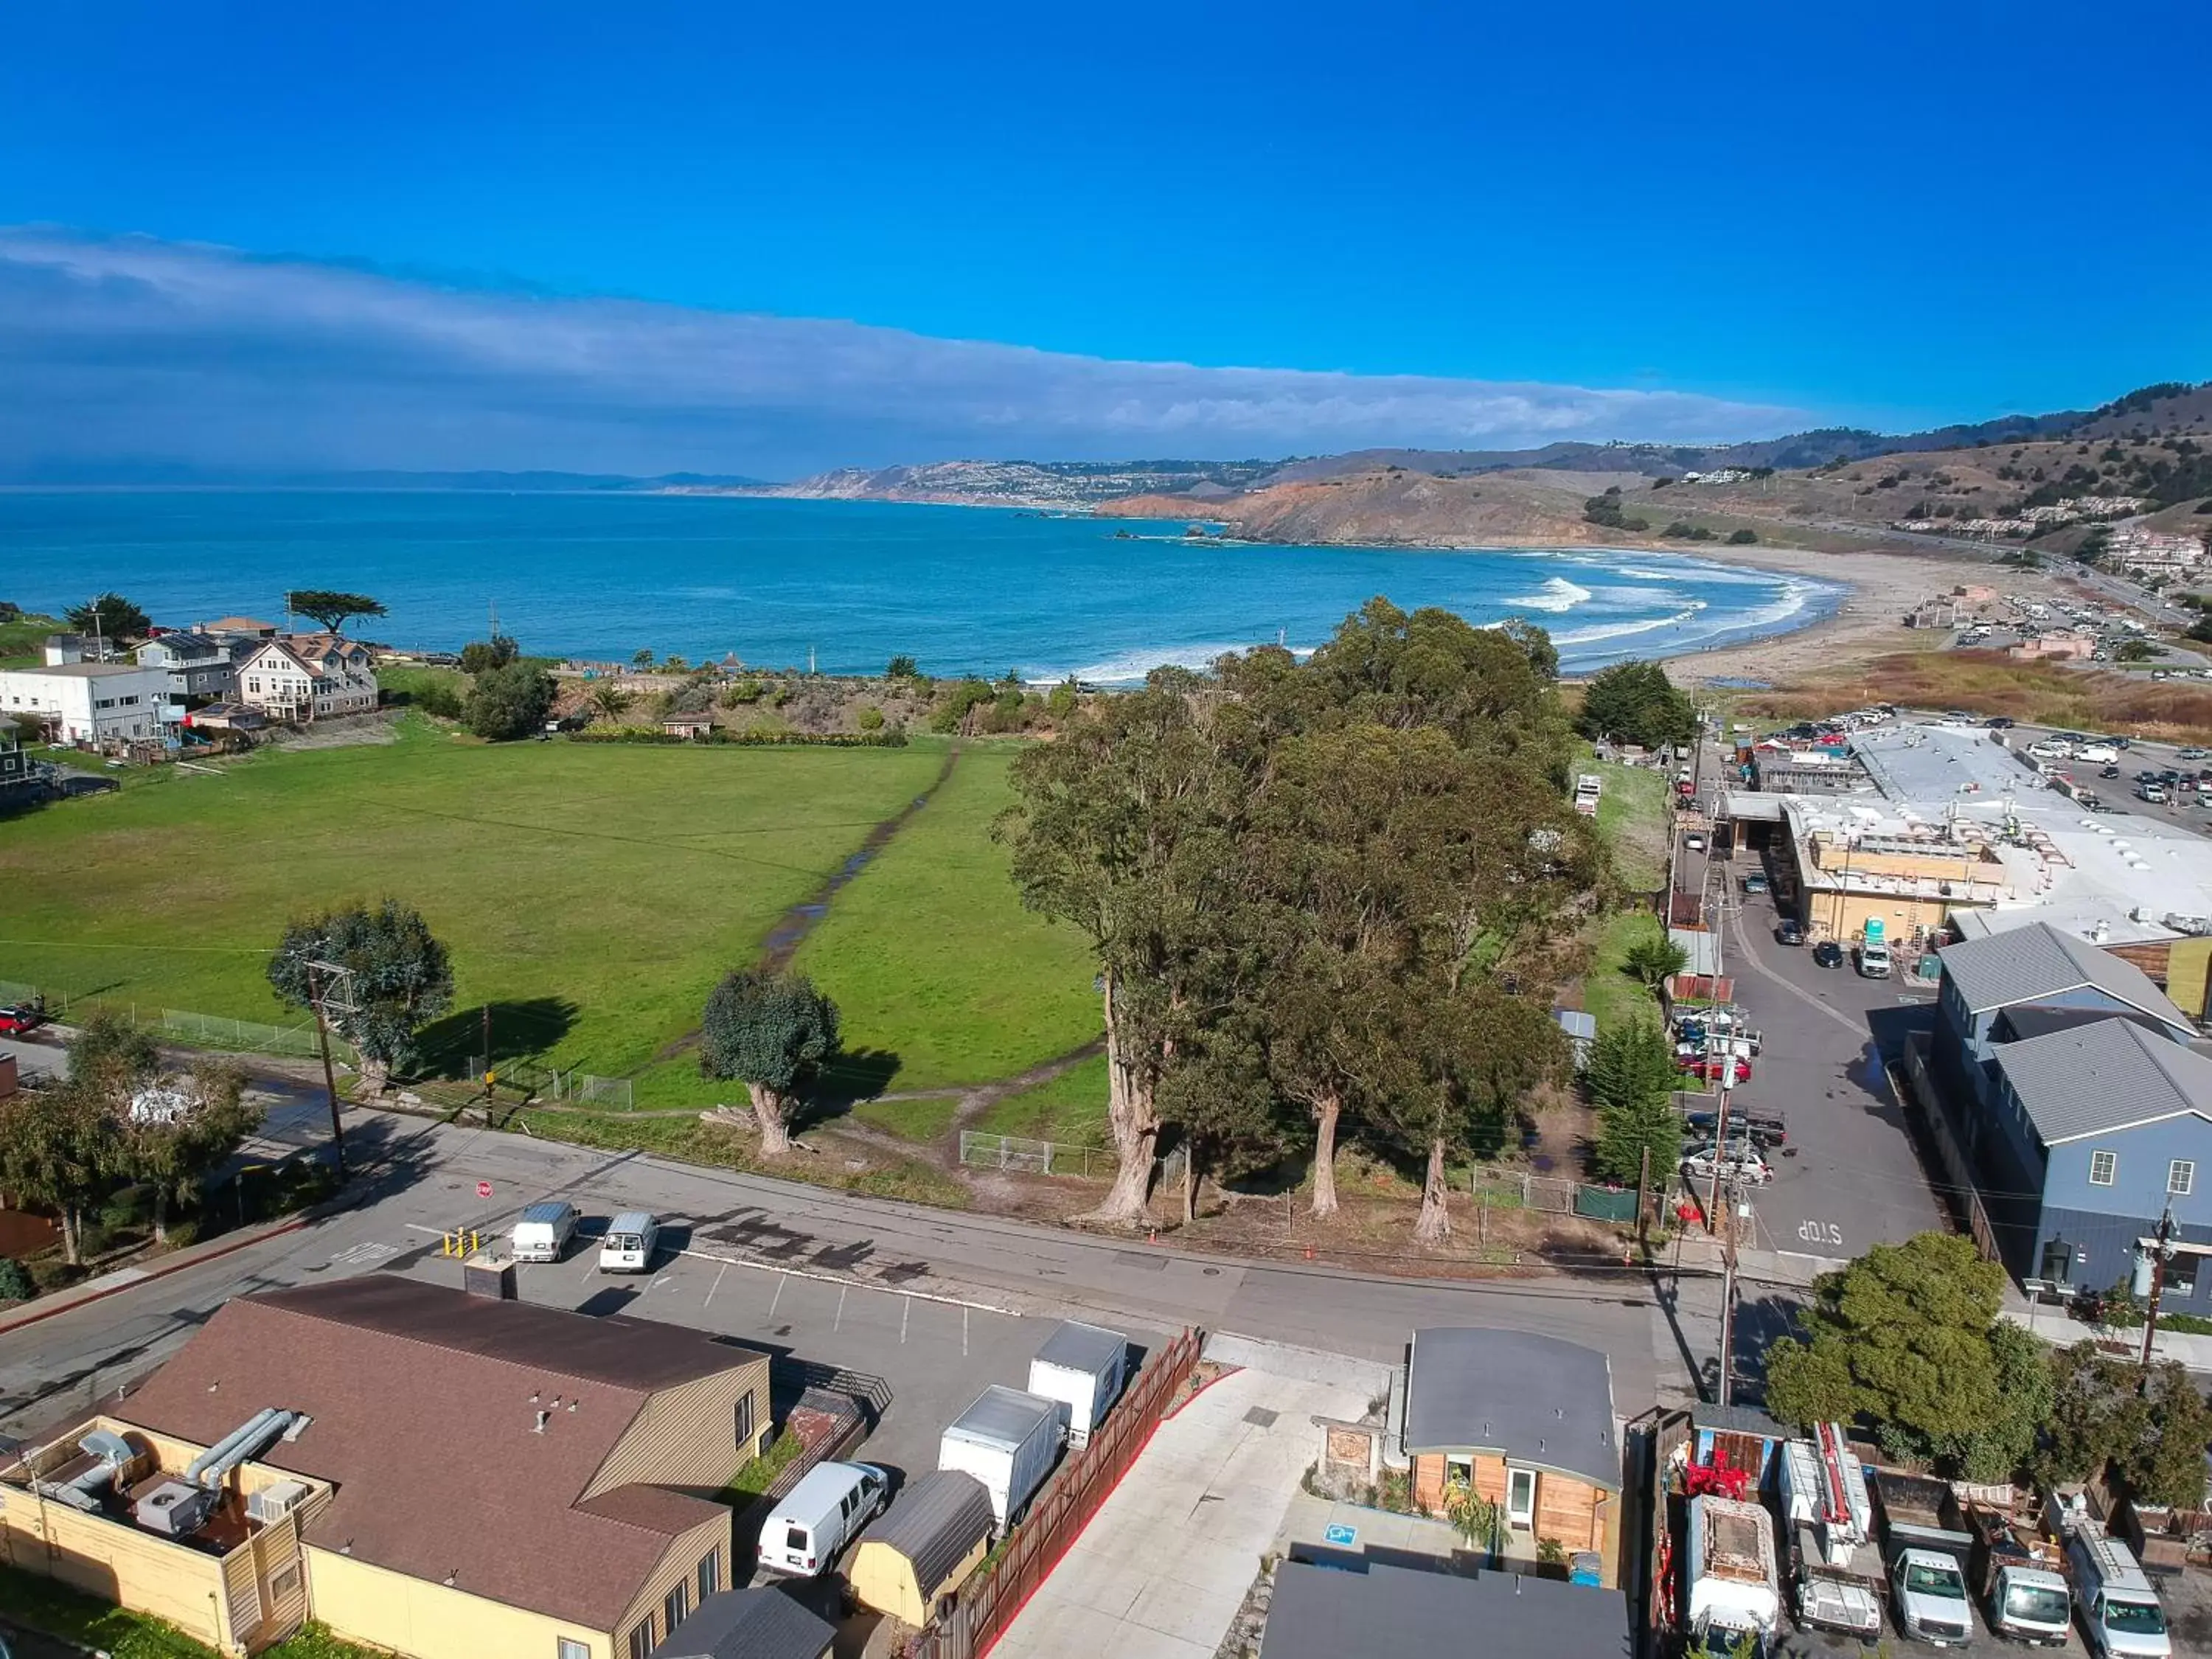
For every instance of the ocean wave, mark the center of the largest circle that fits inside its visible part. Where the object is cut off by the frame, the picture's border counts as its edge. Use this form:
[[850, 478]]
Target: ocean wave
[[1622, 630], [1558, 594], [1130, 668]]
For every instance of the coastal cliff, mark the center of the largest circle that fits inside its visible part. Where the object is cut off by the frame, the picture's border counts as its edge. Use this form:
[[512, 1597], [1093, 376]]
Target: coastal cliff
[[1397, 506]]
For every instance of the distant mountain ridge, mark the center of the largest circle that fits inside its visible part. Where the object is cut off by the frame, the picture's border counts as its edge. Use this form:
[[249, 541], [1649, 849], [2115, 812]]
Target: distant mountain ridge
[[156, 475]]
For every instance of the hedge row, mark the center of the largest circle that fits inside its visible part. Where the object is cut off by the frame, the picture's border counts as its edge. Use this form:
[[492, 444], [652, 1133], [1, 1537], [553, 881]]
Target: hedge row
[[894, 739]]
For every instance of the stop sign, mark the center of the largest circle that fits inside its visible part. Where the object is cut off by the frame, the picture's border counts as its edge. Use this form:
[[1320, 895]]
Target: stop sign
[[483, 1189]]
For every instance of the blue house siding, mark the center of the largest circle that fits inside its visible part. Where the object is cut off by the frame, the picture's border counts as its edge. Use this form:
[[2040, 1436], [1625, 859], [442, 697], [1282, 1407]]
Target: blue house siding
[[2104, 1222], [2098, 1252]]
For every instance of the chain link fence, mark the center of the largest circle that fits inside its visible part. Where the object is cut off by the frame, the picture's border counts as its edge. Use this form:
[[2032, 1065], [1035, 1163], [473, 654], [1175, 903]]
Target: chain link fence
[[979, 1150], [182, 1025]]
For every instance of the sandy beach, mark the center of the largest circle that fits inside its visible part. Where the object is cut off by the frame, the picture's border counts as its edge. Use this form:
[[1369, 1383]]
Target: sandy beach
[[1868, 622]]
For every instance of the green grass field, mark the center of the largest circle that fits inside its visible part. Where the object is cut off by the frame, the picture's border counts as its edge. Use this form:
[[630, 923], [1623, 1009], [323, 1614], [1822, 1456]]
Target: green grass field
[[1071, 1107], [933, 960], [592, 895], [22, 642], [1633, 816]]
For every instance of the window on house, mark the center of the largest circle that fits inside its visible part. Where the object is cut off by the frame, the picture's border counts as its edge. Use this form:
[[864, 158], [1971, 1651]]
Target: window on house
[[2102, 1166], [2181, 1274], [710, 1573], [676, 1604], [2181, 1176], [1459, 1472], [568, 1647], [641, 1641], [745, 1419]]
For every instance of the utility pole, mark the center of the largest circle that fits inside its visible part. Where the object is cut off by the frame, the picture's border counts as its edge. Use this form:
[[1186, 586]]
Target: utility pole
[[320, 977], [2161, 1253], [1719, 1134], [1728, 1317], [1644, 1196]]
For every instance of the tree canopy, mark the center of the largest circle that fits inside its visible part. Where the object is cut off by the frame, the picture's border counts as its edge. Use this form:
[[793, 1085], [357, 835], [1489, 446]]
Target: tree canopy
[[497, 652], [1636, 703], [2152, 1429], [1902, 1336], [1630, 1080], [396, 980], [109, 615], [508, 702], [331, 608], [772, 1032], [1332, 884]]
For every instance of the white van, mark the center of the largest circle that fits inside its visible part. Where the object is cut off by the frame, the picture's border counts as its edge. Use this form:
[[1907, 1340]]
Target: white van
[[630, 1243], [2120, 1611], [1874, 959], [543, 1230], [808, 1530]]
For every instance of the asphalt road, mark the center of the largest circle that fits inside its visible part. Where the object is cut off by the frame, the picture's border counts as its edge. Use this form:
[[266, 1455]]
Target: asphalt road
[[827, 1276]]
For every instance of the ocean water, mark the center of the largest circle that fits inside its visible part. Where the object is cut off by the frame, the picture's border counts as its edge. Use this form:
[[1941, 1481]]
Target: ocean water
[[960, 589]]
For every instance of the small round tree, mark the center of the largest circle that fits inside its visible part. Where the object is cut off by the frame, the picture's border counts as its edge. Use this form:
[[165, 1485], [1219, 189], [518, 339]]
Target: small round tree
[[397, 979], [773, 1033]]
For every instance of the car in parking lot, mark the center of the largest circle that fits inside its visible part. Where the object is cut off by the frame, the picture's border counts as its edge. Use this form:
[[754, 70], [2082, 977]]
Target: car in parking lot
[[1715, 1068], [1789, 931], [2192, 753], [1740, 1163], [2113, 771], [2000, 722], [1761, 1129], [1827, 954]]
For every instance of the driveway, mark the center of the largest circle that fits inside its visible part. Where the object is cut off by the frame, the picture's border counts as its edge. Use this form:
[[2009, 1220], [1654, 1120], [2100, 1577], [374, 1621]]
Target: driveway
[[1852, 1177], [1163, 1565]]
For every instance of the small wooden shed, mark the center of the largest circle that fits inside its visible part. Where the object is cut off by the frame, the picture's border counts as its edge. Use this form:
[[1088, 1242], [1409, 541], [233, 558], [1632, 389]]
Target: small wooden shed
[[695, 727], [925, 1547]]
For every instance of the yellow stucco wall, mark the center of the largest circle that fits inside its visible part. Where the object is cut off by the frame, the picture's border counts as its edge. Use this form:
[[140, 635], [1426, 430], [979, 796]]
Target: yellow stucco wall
[[423, 1620], [2188, 966], [1843, 915], [114, 1562]]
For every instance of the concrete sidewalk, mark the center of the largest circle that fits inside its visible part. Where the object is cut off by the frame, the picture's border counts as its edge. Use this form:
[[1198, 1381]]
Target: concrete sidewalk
[[1163, 1565]]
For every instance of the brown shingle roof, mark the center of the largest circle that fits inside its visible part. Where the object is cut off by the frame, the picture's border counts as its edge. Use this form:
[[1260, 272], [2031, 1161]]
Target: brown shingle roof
[[423, 1417]]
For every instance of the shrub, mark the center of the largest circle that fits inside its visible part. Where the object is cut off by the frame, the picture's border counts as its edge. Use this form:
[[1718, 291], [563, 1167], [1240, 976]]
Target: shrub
[[743, 691], [15, 1284], [871, 718], [1742, 537], [757, 737]]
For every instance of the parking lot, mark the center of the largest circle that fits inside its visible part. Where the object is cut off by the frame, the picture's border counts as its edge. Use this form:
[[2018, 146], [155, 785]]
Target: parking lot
[[934, 1356]]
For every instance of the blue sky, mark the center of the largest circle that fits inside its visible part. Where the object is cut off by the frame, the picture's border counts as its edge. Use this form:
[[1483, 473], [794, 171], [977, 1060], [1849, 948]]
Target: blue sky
[[1884, 215]]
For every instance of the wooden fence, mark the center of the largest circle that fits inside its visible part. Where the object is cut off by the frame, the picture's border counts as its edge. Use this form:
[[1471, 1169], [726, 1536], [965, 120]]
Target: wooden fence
[[988, 1604]]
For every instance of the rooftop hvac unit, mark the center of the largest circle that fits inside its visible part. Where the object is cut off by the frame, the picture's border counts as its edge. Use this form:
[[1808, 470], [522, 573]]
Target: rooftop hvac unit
[[272, 1503], [175, 1509]]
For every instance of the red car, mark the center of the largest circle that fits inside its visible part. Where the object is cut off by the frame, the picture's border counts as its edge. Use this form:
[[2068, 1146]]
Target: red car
[[1712, 1068], [18, 1019]]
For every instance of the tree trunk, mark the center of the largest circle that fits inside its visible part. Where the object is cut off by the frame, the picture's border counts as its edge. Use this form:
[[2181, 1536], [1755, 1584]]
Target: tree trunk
[[1189, 1183], [1435, 1224], [1324, 1164], [1135, 1125], [376, 1074], [771, 1112], [160, 1213], [69, 1235]]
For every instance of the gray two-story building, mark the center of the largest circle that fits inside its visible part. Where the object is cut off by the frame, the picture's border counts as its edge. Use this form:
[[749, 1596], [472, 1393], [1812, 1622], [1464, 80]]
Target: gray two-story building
[[2081, 1102], [202, 667]]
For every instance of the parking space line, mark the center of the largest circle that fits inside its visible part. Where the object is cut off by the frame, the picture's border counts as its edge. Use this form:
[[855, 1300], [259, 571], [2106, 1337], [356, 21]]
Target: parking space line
[[717, 1285], [846, 1281], [905, 1308], [775, 1299], [963, 1333], [838, 1323]]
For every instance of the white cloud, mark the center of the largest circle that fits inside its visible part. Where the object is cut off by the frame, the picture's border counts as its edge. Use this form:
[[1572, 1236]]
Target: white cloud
[[128, 351]]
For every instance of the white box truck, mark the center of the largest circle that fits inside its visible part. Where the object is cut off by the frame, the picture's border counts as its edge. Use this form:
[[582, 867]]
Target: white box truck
[[1734, 1591], [1082, 1367], [1009, 1441], [1835, 1563]]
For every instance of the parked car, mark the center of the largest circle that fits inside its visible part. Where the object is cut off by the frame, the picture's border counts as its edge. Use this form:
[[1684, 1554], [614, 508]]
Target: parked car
[[1873, 960], [1693, 842], [543, 1230], [1714, 1068], [2109, 772], [1706, 1162], [1827, 954], [2192, 753], [1754, 883], [631, 1239], [1789, 931], [1761, 1129], [18, 1017]]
